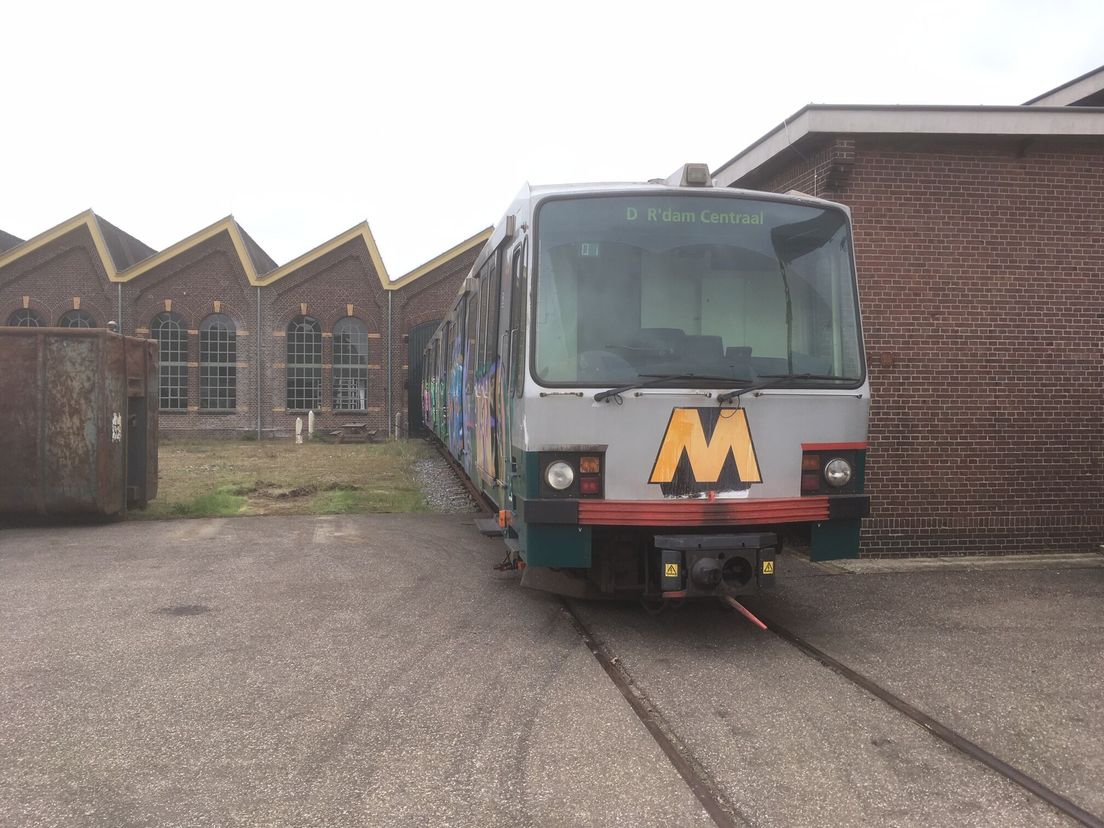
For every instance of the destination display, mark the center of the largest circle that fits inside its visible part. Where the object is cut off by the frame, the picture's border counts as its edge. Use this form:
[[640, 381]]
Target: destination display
[[668, 215]]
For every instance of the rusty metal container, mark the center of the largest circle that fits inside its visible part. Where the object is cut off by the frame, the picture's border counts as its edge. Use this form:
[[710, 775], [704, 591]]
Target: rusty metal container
[[78, 421]]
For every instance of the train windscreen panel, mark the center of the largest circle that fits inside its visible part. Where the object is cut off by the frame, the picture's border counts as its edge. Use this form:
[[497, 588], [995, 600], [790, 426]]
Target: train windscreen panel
[[630, 288]]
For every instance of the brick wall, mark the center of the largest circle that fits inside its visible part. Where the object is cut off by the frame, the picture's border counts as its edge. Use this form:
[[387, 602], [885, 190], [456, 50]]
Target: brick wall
[[191, 285], [980, 279], [55, 278], [325, 288], [209, 278]]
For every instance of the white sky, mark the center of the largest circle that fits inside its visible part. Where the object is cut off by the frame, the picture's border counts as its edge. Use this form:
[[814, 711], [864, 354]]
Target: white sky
[[303, 119]]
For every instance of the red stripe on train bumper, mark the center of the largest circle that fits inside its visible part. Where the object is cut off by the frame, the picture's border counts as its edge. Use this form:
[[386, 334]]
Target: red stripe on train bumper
[[695, 512]]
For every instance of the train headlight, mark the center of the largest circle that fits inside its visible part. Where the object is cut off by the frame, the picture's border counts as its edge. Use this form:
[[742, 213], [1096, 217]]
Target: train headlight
[[559, 475], [837, 472]]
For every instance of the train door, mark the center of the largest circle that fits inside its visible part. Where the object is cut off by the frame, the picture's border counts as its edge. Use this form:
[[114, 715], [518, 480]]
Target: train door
[[513, 358], [455, 376], [471, 351], [419, 340], [487, 374]]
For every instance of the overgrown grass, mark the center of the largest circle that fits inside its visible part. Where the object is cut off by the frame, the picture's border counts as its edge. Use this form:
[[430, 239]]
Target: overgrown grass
[[221, 478], [220, 503]]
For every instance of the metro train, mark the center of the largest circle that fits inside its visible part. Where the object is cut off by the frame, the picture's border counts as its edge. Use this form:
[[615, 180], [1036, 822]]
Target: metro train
[[658, 385]]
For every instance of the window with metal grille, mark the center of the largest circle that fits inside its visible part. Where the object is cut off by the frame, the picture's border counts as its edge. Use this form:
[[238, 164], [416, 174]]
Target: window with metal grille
[[304, 364], [218, 358], [172, 339], [76, 319], [350, 365], [25, 318]]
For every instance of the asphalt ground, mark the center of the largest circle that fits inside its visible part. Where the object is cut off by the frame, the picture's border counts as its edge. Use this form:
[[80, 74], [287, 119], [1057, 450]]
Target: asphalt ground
[[367, 670], [374, 670]]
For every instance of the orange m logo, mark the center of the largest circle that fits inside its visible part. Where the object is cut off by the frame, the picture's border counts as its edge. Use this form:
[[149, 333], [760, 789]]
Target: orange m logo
[[686, 433]]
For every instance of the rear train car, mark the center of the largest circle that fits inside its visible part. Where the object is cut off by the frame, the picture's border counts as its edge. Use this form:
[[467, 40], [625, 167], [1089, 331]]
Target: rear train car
[[659, 384]]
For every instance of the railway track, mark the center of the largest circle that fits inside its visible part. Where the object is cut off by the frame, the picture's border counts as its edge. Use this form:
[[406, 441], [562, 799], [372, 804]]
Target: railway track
[[726, 814]]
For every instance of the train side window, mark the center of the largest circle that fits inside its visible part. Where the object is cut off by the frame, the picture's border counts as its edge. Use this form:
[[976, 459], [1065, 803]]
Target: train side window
[[481, 334], [494, 308], [518, 307], [471, 358], [434, 366], [446, 362]]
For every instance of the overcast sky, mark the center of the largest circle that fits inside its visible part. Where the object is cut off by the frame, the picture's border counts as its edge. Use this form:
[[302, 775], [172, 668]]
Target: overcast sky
[[425, 119]]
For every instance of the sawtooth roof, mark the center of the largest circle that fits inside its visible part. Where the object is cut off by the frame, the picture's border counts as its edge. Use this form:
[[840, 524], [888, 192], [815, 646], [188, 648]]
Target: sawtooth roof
[[125, 257]]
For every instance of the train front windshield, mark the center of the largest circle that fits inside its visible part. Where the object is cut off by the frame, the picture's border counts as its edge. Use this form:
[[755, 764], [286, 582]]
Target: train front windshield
[[633, 288]]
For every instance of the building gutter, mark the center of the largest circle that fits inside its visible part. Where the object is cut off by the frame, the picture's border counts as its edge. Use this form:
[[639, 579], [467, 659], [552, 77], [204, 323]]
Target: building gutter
[[390, 348], [258, 371]]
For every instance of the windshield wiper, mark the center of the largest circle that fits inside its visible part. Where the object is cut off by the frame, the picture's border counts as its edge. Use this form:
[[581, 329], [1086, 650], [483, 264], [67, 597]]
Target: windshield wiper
[[778, 379], [656, 379]]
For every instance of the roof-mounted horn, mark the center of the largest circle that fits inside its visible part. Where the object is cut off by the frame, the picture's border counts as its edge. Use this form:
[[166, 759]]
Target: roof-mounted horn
[[691, 175]]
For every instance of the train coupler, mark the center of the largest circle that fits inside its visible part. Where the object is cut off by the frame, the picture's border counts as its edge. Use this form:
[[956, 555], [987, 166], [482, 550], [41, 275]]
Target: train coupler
[[715, 565]]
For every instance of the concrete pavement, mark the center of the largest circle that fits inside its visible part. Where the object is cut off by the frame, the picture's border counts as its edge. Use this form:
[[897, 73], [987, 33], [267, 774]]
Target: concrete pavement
[[367, 670], [374, 670]]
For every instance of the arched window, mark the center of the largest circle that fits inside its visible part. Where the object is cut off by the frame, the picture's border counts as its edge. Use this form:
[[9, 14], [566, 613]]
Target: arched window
[[76, 319], [218, 358], [350, 365], [304, 364], [25, 318], [168, 330]]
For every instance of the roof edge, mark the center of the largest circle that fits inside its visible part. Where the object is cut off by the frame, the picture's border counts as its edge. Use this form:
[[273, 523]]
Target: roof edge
[[229, 225], [86, 219], [912, 120], [362, 231], [1068, 85], [226, 224], [477, 240]]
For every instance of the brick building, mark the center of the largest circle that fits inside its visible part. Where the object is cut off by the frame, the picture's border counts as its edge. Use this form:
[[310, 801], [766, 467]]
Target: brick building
[[979, 237], [329, 328]]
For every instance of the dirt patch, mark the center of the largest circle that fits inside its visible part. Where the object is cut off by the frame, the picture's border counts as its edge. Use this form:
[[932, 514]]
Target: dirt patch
[[341, 487], [283, 478], [274, 492]]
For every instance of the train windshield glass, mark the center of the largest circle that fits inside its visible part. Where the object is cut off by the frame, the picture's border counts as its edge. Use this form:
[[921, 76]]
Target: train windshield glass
[[628, 288]]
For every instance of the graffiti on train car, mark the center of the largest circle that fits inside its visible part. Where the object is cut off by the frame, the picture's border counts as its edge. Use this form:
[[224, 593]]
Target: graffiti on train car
[[455, 403], [485, 393]]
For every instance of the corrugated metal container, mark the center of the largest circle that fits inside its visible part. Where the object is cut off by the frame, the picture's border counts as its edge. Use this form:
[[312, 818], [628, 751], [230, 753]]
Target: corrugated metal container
[[78, 421]]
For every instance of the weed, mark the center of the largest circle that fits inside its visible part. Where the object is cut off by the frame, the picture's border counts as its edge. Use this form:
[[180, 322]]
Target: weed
[[220, 503], [220, 478]]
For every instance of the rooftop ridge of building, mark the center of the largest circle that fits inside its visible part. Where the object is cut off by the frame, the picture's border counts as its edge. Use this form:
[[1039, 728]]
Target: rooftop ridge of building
[[125, 258]]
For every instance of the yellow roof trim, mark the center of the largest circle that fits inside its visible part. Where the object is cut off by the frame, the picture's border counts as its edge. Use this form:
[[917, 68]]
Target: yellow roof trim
[[478, 240], [230, 226], [85, 219], [364, 233], [223, 225], [360, 231]]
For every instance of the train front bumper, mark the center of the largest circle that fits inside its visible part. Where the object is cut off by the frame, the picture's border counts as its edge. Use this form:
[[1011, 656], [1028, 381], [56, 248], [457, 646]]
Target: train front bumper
[[557, 532], [694, 511]]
